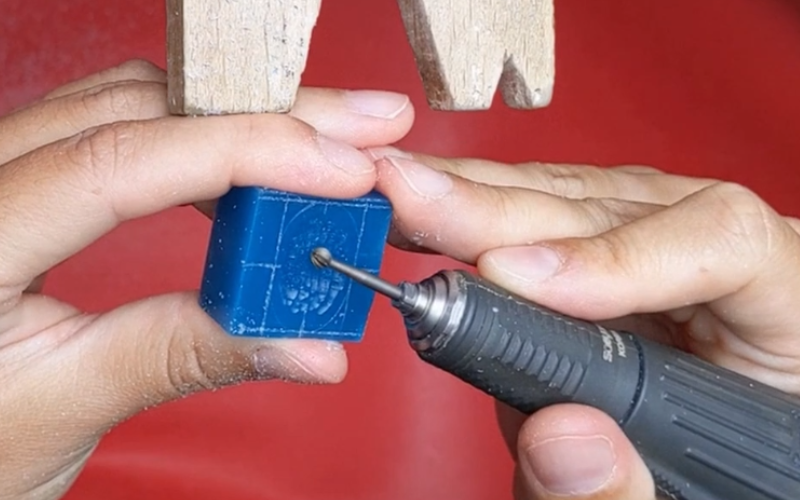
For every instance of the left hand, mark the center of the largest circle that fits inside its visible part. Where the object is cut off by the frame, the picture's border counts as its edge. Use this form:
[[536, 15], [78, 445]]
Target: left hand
[[101, 151], [701, 264]]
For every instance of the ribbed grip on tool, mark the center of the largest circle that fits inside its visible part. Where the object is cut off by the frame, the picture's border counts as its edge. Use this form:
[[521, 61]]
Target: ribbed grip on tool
[[709, 434], [706, 433], [531, 357]]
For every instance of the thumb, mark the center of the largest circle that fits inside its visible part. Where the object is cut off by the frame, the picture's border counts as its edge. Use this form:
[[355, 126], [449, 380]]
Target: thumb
[[71, 383], [576, 452], [159, 349]]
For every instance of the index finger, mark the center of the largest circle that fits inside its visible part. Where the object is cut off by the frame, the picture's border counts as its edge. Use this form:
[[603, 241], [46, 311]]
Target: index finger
[[571, 181], [59, 198]]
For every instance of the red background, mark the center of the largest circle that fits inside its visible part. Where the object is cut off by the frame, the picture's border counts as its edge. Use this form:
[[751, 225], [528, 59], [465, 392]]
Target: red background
[[705, 88]]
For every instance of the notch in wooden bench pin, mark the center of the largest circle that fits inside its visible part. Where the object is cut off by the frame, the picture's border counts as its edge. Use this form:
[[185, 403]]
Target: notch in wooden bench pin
[[247, 56], [465, 48]]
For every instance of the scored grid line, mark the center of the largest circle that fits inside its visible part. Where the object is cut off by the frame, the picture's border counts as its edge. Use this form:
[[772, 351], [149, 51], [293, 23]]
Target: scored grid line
[[359, 239], [338, 203], [302, 327], [274, 270], [261, 331]]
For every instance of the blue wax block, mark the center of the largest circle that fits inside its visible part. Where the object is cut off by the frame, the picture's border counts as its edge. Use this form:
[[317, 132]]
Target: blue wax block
[[259, 280]]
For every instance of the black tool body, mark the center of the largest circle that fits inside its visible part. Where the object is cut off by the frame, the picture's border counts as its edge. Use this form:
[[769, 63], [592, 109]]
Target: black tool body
[[706, 433]]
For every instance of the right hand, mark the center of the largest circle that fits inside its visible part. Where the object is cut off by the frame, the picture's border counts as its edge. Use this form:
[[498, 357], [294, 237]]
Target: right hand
[[101, 151], [703, 265]]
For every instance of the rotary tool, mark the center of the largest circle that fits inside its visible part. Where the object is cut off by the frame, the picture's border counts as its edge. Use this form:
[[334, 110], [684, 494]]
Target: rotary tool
[[705, 433]]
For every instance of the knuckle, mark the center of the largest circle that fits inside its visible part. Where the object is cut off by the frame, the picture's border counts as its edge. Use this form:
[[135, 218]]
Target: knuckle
[[123, 100], [91, 152], [186, 370], [579, 181], [743, 219], [97, 150], [102, 153], [193, 363], [603, 214], [565, 181]]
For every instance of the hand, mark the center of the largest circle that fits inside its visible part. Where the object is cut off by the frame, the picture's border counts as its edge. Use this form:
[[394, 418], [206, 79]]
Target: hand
[[101, 151], [704, 265]]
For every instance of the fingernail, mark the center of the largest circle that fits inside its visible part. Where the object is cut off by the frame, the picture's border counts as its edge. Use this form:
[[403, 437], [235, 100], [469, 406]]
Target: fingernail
[[378, 153], [572, 465], [526, 264], [273, 362], [345, 156], [376, 103], [423, 180]]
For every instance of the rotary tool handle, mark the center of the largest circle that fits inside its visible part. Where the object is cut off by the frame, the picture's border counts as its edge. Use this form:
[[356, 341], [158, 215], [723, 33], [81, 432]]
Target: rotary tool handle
[[530, 357], [705, 433]]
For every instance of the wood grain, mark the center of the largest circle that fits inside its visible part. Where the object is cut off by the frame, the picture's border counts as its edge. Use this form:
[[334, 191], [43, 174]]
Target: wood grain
[[237, 56], [465, 49]]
